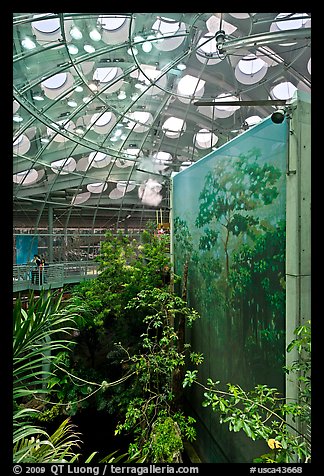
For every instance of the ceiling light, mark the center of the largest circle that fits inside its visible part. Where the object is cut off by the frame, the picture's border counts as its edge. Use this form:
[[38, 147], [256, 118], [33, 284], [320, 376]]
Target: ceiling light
[[38, 96], [79, 130], [137, 39], [17, 118], [132, 51], [93, 85], [95, 35], [181, 66], [122, 95], [140, 86], [72, 103], [73, 50], [75, 33], [147, 46], [28, 43], [89, 48], [79, 89], [118, 132]]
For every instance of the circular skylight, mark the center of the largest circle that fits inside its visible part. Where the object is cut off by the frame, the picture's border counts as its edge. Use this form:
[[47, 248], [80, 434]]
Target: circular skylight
[[162, 161], [56, 81], [27, 177], [104, 75], [116, 193], [207, 44], [18, 141], [289, 21], [111, 23], [21, 145], [163, 157], [225, 111], [165, 28], [250, 64], [224, 97], [204, 139], [63, 166], [140, 121], [80, 198], [133, 151], [190, 85], [216, 23], [173, 127], [126, 186], [49, 25], [284, 90], [250, 69], [292, 22], [98, 159], [101, 119], [97, 187], [102, 123]]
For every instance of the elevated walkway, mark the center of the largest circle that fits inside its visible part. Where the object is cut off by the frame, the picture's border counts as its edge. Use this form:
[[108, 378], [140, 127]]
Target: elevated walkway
[[53, 275]]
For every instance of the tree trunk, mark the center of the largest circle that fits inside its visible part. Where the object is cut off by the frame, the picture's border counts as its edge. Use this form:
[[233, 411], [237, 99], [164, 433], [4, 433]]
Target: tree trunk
[[178, 374]]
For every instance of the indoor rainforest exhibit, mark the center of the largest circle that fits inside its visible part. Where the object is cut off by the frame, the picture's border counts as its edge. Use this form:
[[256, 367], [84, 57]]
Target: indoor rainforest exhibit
[[161, 238]]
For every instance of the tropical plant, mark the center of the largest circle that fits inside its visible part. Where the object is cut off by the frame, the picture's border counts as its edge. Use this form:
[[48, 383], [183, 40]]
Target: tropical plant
[[38, 333], [127, 265], [38, 337], [154, 416]]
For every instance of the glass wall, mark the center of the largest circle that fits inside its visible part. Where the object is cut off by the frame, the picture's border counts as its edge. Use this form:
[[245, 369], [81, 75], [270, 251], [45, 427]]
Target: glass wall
[[229, 227]]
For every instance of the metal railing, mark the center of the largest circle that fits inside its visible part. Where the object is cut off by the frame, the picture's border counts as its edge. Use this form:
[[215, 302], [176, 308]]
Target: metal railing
[[52, 275]]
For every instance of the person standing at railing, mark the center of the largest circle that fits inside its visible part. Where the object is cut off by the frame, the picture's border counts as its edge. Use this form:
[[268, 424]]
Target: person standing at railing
[[43, 267], [36, 270]]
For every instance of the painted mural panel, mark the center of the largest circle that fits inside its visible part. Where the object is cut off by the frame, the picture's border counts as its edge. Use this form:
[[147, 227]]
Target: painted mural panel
[[229, 226], [26, 248]]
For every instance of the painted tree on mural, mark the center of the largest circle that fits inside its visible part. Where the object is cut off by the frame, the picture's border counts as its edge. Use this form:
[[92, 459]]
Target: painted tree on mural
[[200, 264], [257, 279], [232, 194], [183, 239], [233, 189]]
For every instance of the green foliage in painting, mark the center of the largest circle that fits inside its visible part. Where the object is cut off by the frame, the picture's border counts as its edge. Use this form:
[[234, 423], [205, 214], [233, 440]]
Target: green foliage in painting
[[234, 186], [261, 413], [232, 191]]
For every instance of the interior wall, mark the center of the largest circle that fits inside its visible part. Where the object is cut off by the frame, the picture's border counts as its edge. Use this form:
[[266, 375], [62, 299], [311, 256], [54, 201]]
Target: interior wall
[[229, 224], [298, 238]]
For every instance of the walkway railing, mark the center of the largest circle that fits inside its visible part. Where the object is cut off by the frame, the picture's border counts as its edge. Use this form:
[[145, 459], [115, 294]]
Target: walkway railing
[[53, 275]]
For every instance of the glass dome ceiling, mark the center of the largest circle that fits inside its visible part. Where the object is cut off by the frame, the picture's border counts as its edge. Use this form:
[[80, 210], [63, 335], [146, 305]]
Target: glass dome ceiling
[[104, 105]]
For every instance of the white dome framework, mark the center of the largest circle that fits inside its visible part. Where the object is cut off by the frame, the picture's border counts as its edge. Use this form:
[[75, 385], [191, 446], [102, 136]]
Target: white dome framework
[[106, 95]]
